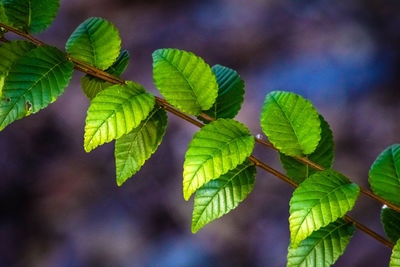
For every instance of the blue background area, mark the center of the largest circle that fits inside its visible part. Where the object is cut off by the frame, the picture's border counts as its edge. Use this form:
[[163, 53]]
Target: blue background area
[[61, 207]]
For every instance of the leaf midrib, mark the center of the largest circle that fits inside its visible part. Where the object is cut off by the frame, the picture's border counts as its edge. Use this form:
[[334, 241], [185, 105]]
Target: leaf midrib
[[30, 88], [288, 119], [112, 113]]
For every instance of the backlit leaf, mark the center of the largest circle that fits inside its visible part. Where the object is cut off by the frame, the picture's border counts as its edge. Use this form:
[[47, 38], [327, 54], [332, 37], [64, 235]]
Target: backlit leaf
[[96, 42], [395, 258], [33, 82], [134, 148], [217, 197], [9, 53], [384, 175], [31, 15], [116, 111], [91, 85], [391, 223], [321, 199], [323, 247], [230, 93], [185, 80], [216, 149], [323, 155], [291, 123]]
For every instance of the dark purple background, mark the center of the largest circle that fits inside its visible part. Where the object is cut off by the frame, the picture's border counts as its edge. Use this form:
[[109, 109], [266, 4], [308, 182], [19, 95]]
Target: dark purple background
[[61, 206]]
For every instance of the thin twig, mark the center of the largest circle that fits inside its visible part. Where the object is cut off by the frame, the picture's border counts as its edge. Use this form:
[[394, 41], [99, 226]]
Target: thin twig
[[83, 67], [368, 231], [3, 39], [357, 224], [314, 165]]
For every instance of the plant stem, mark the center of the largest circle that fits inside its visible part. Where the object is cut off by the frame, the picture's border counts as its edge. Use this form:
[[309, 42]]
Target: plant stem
[[85, 68], [314, 165], [360, 226]]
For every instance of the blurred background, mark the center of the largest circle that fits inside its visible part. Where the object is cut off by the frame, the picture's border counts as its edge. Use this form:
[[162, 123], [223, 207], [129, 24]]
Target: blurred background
[[61, 207]]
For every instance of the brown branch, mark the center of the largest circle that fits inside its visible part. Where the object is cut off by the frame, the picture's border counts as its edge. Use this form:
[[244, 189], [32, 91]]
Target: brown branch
[[3, 39], [83, 67], [314, 165], [369, 232], [22, 34]]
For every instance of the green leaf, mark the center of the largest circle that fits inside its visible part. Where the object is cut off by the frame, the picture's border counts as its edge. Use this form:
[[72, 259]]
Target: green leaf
[[323, 247], [115, 112], [216, 149], [323, 155], [134, 148], [391, 223], [384, 175], [321, 199], [230, 93], [31, 15], [185, 80], [291, 123], [395, 258], [96, 42], [33, 82], [9, 53], [91, 85], [217, 197], [3, 16], [120, 65]]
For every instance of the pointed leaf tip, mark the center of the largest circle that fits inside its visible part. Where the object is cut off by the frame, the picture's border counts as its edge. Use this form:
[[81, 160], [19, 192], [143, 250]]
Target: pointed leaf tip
[[134, 148], [384, 175]]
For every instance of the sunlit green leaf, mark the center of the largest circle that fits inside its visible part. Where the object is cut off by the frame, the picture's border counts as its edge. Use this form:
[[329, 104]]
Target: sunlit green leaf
[[291, 123], [323, 247], [185, 80], [216, 149], [96, 42], [323, 155], [321, 199], [384, 175], [230, 93], [116, 111], [31, 15], [34, 81], [91, 85], [134, 148], [9, 53], [217, 197]]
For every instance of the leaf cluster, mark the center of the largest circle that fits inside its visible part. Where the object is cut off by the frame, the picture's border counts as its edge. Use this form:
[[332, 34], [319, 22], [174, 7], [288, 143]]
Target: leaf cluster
[[218, 168]]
